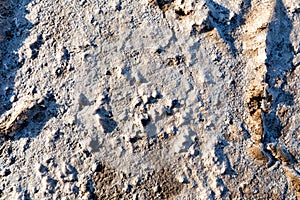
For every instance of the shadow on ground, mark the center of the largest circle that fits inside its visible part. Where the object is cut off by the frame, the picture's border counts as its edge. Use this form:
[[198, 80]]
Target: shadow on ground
[[280, 54], [219, 17], [14, 29]]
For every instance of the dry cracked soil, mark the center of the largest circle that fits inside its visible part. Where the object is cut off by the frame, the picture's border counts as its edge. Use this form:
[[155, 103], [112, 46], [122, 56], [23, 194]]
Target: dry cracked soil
[[149, 99]]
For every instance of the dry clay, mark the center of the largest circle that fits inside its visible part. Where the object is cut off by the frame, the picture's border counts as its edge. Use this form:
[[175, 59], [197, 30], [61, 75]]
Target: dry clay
[[150, 99]]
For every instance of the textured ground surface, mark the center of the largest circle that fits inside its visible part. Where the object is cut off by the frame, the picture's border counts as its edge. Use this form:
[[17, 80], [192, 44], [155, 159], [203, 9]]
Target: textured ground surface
[[150, 99]]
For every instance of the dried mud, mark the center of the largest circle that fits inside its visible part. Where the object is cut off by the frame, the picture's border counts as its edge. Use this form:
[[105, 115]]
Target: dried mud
[[159, 99]]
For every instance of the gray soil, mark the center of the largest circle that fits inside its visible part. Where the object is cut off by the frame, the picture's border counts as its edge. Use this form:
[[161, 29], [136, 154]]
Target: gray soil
[[149, 99]]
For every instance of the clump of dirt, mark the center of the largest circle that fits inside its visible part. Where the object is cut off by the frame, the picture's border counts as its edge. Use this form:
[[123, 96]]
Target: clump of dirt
[[162, 4], [112, 184], [104, 179], [254, 101]]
